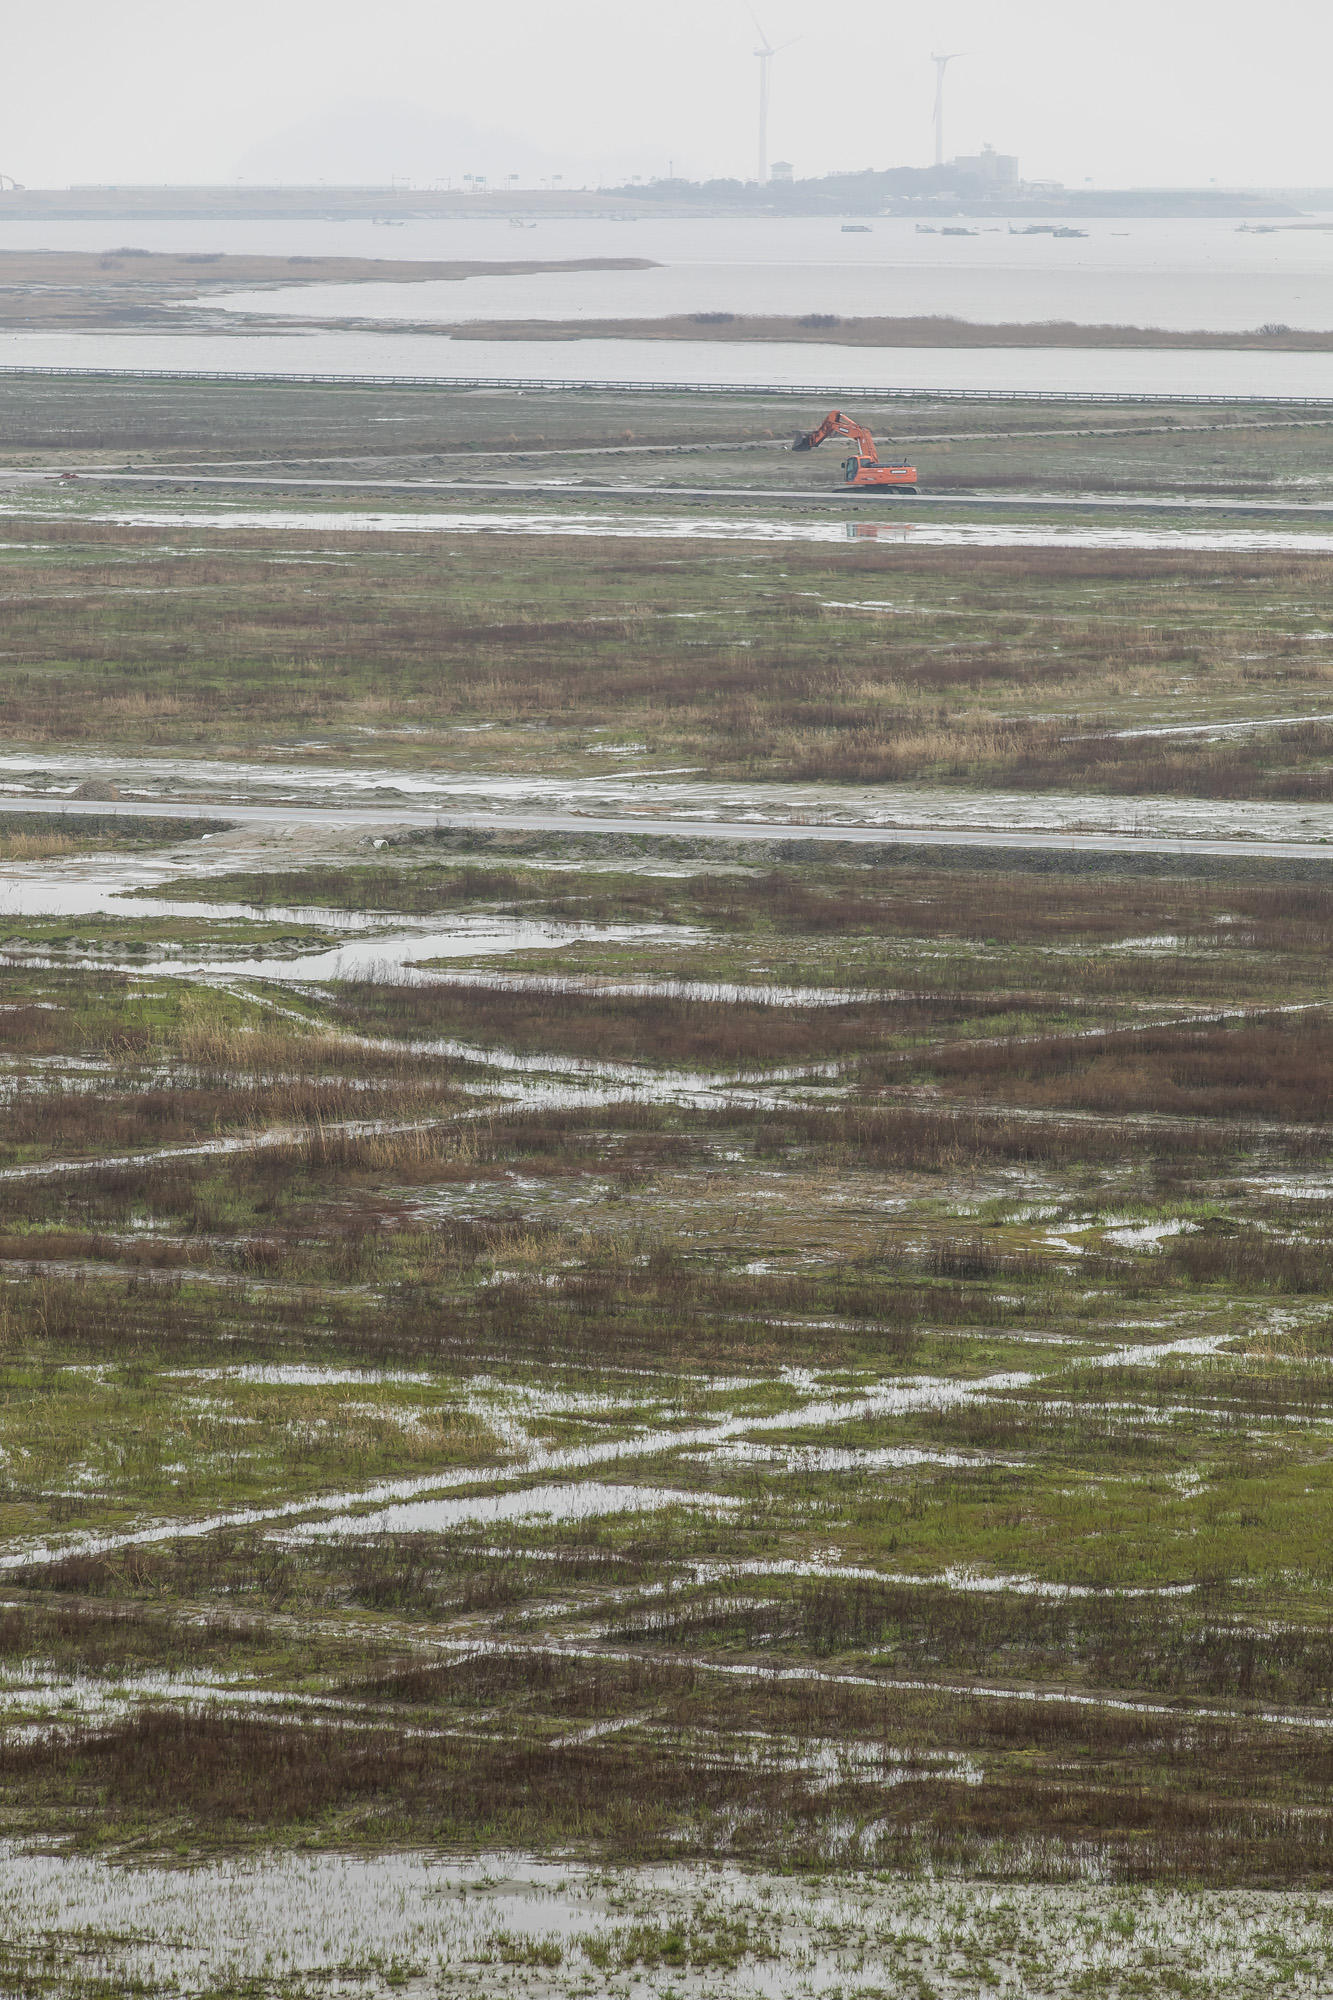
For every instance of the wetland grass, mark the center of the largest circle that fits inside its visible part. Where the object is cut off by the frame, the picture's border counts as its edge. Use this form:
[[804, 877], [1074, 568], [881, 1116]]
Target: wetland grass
[[1200, 1645], [877, 891], [715, 1034], [123, 634], [990, 1368], [36, 836], [60, 1122], [678, 1788], [1277, 1067]]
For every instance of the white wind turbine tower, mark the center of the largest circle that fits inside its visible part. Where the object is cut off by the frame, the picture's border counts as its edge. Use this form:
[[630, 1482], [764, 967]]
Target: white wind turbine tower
[[941, 64], [765, 53]]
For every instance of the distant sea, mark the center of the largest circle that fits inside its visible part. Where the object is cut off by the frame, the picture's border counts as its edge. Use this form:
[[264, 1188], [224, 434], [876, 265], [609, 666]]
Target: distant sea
[[1178, 274]]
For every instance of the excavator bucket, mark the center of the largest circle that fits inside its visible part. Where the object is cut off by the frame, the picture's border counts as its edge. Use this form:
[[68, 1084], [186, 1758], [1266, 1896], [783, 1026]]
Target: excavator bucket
[[801, 441]]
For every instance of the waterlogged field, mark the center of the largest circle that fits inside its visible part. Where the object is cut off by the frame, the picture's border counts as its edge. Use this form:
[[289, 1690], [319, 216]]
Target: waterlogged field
[[592, 1413], [1116, 672], [853, 1399]]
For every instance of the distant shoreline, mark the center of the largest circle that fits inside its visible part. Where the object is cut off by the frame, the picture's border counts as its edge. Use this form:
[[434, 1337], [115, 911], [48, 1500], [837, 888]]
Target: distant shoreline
[[828, 330], [130, 287], [866, 196]]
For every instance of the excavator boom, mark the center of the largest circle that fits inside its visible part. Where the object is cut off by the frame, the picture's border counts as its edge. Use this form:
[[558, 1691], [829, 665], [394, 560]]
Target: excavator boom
[[836, 424], [865, 469]]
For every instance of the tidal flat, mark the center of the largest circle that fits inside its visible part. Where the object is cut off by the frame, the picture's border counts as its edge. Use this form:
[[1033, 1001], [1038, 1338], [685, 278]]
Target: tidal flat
[[591, 1412]]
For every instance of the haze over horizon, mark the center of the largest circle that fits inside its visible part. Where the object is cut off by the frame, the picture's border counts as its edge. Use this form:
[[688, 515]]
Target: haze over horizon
[[601, 90]]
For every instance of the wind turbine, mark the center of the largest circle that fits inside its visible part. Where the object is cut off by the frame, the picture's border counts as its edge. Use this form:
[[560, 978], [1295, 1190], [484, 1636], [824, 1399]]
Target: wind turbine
[[941, 64], [765, 53]]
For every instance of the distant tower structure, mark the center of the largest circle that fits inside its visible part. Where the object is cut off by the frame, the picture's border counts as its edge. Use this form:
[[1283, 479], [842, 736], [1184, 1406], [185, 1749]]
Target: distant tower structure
[[941, 64], [765, 53], [783, 170]]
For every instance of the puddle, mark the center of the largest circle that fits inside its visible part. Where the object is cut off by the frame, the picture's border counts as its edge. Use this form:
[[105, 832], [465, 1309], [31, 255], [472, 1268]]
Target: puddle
[[293, 1375], [827, 1761], [582, 1502], [708, 990], [26, 891], [377, 945], [411, 1920], [1201, 1345], [38, 1699], [1146, 1235], [384, 955], [1215, 729], [720, 527], [833, 1458], [831, 1569], [1296, 1187]]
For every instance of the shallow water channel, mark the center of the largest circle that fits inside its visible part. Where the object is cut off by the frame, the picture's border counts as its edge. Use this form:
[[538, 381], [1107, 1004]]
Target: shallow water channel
[[373, 945], [641, 525]]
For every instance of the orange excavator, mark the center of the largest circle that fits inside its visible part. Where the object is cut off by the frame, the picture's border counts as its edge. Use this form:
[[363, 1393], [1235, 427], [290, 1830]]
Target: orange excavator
[[865, 469]]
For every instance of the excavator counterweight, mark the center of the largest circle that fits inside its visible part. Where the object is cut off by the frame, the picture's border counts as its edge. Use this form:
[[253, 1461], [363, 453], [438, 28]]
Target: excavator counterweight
[[865, 470]]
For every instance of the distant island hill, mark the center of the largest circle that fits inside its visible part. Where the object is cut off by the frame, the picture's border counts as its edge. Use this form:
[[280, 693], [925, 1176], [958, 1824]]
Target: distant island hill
[[924, 192]]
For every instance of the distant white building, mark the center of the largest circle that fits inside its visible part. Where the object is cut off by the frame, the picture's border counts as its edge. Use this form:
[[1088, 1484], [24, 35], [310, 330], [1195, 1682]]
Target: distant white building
[[992, 169], [781, 170]]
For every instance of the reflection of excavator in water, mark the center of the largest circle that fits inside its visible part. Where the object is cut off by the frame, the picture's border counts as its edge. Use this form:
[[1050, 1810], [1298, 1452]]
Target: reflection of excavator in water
[[865, 469]]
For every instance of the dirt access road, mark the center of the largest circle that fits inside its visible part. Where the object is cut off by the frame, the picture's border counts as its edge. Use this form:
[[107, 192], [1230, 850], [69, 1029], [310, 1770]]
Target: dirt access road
[[386, 819]]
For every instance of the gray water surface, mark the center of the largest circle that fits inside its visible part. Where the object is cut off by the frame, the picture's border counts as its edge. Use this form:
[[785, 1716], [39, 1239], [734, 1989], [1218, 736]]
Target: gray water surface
[[1179, 273]]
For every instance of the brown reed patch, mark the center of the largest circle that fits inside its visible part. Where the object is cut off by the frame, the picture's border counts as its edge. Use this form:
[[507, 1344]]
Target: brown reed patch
[[69, 1121], [658, 1028], [1106, 1641], [1276, 1067], [1294, 762], [876, 893], [1218, 1810]]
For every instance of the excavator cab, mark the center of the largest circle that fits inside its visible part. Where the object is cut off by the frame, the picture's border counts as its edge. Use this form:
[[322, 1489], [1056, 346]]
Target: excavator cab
[[852, 466]]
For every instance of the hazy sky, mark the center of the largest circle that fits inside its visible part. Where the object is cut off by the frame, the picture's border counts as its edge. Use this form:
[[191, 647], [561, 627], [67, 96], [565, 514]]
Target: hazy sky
[[1125, 93]]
